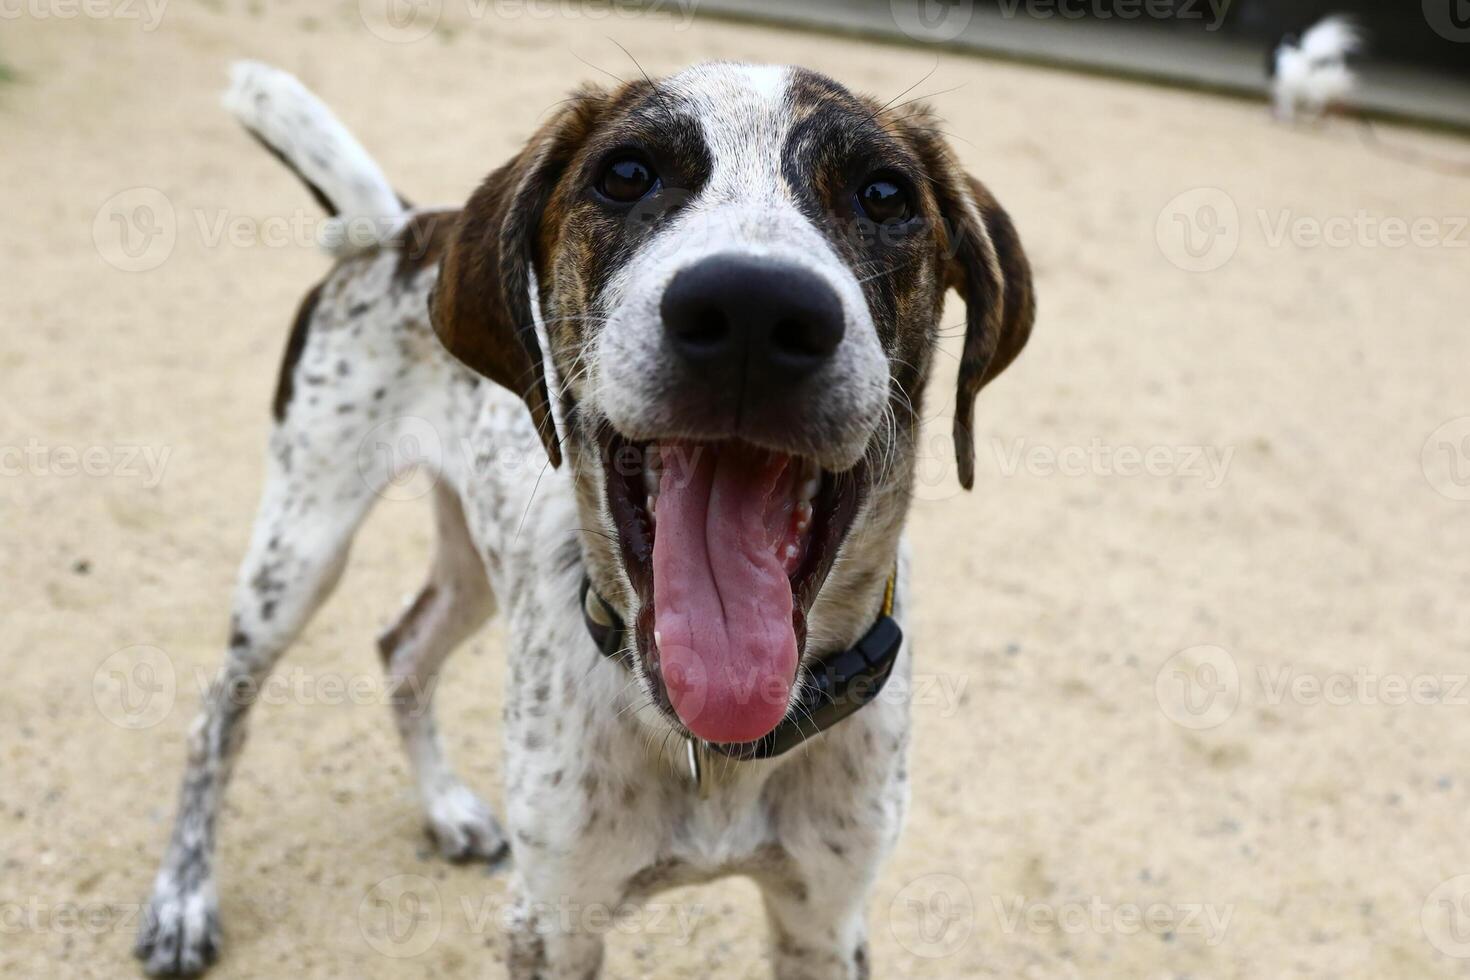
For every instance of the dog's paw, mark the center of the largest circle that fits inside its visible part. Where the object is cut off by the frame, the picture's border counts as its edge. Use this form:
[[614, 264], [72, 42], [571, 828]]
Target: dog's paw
[[179, 934], [464, 828]]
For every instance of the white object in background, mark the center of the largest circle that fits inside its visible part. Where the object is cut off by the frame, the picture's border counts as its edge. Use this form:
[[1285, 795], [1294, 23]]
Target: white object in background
[[1309, 74]]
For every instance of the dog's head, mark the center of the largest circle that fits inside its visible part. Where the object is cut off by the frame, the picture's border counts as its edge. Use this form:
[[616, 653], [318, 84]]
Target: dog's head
[[739, 273]]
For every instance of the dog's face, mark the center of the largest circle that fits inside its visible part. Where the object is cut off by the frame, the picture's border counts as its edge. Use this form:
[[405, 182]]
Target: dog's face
[[739, 273]]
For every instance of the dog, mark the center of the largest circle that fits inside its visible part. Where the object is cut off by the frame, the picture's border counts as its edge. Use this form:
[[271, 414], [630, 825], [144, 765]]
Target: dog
[[1309, 72], [685, 333]]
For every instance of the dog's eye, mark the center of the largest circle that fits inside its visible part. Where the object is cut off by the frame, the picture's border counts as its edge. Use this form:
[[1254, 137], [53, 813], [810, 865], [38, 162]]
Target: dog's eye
[[626, 179], [884, 199]]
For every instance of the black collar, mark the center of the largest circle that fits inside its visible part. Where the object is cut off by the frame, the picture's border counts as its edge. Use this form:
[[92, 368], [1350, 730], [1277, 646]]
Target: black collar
[[839, 683]]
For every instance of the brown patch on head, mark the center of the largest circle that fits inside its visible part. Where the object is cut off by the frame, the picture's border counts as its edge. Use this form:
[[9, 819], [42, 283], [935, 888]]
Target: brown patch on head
[[957, 237], [481, 304], [537, 213], [840, 143]]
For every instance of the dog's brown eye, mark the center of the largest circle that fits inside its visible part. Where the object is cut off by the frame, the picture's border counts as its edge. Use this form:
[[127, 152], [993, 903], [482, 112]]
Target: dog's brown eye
[[627, 179], [884, 199]]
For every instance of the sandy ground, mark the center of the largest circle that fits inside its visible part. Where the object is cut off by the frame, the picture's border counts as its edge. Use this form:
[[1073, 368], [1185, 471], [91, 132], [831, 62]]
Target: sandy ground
[[1197, 643]]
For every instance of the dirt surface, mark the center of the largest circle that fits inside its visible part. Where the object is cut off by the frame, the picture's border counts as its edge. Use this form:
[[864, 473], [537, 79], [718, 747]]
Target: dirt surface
[[1196, 645]]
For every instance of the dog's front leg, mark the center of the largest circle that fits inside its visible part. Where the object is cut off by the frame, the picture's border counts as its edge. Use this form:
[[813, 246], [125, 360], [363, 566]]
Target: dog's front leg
[[553, 933], [296, 555], [816, 933]]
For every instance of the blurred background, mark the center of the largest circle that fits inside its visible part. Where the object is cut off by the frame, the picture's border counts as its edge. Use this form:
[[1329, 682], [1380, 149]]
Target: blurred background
[[1193, 653]]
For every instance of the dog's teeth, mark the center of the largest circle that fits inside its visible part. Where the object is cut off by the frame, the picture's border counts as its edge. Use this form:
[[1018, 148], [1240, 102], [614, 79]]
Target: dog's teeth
[[658, 639], [810, 481], [652, 505], [791, 552], [803, 515]]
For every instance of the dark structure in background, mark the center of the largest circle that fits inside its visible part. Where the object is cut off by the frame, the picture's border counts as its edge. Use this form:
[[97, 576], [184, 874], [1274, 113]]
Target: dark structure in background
[[1416, 67], [1423, 33]]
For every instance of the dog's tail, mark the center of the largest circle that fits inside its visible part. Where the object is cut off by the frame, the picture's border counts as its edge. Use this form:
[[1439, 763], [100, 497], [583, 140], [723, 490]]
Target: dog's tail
[[301, 132]]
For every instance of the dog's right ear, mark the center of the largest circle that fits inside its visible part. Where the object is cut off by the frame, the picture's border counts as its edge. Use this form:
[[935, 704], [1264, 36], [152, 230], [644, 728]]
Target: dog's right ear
[[481, 306]]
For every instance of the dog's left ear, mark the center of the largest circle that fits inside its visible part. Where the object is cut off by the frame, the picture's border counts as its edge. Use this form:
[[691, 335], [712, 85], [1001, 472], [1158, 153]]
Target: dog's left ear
[[983, 261], [481, 306]]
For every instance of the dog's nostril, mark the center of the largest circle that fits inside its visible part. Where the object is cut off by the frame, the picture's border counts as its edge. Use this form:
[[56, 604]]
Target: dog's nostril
[[813, 336], [704, 329]]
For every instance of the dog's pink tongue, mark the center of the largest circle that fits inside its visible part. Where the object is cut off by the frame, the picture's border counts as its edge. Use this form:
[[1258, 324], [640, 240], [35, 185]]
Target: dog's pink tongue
[[722, 600]]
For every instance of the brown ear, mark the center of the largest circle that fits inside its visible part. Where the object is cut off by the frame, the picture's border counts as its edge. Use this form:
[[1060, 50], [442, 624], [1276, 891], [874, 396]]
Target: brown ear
[[984, 263], [481, 306], [989, 269]]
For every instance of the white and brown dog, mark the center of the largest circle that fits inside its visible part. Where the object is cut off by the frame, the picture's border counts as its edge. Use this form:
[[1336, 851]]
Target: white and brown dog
[[708, 306]]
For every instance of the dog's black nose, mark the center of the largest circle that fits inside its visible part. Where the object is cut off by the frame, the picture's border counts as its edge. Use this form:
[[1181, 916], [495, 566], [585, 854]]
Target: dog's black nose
[[738, 318]]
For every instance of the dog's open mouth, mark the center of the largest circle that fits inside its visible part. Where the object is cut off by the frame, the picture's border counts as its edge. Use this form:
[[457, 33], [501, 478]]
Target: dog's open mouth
[[727, 546]]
